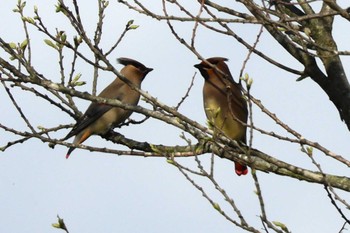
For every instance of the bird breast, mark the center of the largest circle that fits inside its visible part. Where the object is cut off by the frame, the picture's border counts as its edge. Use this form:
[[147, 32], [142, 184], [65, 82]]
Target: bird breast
[[220, 116]]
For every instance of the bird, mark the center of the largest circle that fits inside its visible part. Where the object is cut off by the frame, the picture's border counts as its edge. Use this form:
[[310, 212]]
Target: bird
[[224, 104], [99, 118]]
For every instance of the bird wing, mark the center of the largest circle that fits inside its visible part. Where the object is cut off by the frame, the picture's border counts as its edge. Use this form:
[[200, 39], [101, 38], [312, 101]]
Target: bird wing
[[238, 100], [96, 110]]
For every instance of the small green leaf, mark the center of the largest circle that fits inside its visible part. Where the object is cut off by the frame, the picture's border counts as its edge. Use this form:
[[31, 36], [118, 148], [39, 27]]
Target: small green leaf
[[170, 161], [76, 77], [155, 149], [13, 45], [250, 82], [35, 9], [56, 225], [31, 20], [246, 76], [133, 27], [198, 149], [82, 83], [28, 19], [42, 128], [24, 44], [60, 224], [76, 82], [50, 43], [281, 225], [309, 150], [23, 4]]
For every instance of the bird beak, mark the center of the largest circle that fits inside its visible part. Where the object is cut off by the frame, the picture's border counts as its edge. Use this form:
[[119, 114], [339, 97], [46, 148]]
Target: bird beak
[[202, 70], [197, 66], [148, 70]]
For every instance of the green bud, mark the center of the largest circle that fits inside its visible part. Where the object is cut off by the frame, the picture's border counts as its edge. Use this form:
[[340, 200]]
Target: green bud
[[58, 8], [63, 37], [249, 82], [77, 40], [130, 23], [217, 207], [246, 77]]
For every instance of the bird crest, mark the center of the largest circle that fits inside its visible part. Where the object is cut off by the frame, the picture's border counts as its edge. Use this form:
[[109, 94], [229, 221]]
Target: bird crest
[[128, 61]]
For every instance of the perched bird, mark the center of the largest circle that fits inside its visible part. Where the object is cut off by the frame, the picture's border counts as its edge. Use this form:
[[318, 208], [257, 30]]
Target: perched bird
[[99, 118], [224, 105]]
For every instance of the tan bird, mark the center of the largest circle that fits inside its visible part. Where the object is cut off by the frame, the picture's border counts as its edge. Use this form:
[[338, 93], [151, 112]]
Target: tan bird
[[99, 118], [224, 105]]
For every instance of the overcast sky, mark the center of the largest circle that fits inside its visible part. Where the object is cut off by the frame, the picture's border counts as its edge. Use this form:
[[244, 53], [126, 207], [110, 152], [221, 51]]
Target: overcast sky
[[96, 192]]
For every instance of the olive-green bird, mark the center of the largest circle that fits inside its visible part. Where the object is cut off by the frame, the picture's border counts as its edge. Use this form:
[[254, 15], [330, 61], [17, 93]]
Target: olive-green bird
[[224, 104], [99, 118]]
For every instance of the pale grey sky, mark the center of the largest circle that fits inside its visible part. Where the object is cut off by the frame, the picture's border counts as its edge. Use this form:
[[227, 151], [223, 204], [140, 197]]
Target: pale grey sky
[[96, 192]]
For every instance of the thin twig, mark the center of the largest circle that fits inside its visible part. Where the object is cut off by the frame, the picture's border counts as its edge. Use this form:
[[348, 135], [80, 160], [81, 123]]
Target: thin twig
[[186, 94]]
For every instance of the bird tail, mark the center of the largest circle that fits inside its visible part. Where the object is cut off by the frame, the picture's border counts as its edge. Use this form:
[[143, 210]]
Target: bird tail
[[241, 169], [69, 152], [80, 138]]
